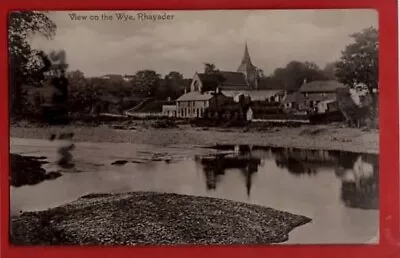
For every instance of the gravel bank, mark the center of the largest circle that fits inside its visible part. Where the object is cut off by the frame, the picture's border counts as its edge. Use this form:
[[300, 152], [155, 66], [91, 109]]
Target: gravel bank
[[323, 137], [147, 218]]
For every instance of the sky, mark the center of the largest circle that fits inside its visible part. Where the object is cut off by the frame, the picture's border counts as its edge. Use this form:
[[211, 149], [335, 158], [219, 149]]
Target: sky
[[192, 38]]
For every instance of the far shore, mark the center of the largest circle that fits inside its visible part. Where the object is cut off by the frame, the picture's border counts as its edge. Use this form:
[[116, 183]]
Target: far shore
[[319, 137]]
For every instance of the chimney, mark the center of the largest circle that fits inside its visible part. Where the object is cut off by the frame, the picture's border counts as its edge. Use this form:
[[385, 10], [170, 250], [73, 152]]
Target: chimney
[[304, 81], [185, 91]]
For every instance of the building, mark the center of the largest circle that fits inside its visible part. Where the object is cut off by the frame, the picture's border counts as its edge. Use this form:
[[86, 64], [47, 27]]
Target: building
[[257, 95], [321, 89], [245, 81], [194, 104], [311, 94]]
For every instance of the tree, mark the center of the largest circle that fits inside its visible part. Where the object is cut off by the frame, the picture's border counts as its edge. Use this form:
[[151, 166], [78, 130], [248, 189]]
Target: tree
[[27, 66], [146, 82], [76, 79], [295, 72], [359, 61], [212, 79], [173, 86], [330, 71], [83, 94], [210, 68]]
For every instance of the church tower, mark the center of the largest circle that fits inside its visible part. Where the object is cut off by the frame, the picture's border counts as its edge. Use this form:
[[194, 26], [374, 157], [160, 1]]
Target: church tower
[[248, 69]]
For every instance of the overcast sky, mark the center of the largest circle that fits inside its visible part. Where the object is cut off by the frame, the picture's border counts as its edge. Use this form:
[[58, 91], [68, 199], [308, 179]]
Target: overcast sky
[[193, 37]]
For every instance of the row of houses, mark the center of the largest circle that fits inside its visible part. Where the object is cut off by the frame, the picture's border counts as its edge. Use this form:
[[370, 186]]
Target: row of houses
[[243, 93]]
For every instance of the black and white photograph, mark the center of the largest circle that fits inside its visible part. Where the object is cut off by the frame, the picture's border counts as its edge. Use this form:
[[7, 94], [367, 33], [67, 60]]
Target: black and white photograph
[[213, 127]]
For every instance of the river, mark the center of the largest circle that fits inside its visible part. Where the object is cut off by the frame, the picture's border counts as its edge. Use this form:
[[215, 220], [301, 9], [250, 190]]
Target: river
[[337, 190]]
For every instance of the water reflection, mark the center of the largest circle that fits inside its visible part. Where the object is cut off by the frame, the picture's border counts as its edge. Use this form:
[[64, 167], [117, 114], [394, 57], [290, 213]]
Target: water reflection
[[357, 172], [215, 167]]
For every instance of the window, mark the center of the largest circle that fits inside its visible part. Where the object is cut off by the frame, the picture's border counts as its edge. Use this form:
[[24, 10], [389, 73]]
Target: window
[[196, 85]]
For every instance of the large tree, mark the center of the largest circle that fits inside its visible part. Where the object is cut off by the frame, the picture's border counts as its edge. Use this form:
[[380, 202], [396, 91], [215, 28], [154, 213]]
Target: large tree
[[295, 73], [210, 68], [173, 86], [146, 82], [330, 71], [359, 61], [83, 95], [26, 65]]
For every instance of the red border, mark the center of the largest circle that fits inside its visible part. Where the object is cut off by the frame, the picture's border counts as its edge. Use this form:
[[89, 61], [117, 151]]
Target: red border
[[389, 134]]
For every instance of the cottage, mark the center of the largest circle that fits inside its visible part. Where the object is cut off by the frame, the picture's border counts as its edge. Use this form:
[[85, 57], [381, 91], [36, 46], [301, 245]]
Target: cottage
[[314, 92], [194, 104]]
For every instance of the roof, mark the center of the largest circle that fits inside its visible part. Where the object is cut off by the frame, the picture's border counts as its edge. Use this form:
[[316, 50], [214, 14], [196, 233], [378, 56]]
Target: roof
[[169, 107], [294, 97], [255, 95], [321, 86], [195, 96]]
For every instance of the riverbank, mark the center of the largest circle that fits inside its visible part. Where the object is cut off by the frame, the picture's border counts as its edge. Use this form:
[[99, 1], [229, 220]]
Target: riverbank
[[322, 137], [148, 218]]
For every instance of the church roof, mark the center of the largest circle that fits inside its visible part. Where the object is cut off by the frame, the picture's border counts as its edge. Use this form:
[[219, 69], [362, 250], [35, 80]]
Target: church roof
[[195, 96]]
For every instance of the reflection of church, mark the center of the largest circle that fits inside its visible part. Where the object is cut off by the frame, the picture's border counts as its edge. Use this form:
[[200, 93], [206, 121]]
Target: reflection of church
[[215, 168]]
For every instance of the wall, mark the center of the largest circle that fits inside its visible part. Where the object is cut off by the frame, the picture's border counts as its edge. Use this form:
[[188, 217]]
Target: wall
[[195, 80]]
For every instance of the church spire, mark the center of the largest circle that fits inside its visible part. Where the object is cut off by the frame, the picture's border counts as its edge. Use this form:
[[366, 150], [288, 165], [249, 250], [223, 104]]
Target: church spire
[[246, 60], [246, 56]]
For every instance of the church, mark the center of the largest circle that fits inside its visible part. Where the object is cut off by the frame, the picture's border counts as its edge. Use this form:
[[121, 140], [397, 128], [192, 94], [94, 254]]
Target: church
[[245, 81]]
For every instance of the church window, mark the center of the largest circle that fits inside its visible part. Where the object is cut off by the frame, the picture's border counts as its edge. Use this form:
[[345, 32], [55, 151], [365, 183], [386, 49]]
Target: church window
[[196, 85]]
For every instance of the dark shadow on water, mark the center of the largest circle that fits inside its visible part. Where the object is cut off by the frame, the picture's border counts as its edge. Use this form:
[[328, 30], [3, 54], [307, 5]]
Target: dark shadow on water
[[25, 170]]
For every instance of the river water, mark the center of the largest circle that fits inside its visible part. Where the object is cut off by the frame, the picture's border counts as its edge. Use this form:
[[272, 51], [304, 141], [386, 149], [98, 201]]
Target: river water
[[339, 191]]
